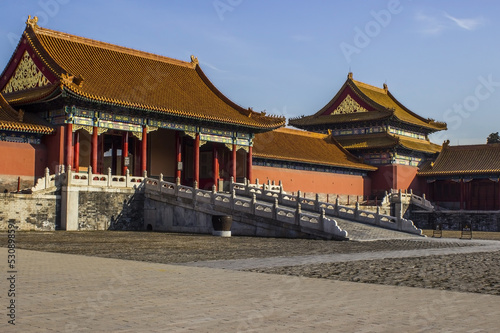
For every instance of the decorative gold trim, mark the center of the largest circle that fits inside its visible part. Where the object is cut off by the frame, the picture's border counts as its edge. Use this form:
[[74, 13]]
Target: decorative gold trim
[[26, 76], [229, 146], [191, 134], [348, 105], [151, 129], [138, 135], [89, 129], [101, 130], [245, 148], [202, 142]]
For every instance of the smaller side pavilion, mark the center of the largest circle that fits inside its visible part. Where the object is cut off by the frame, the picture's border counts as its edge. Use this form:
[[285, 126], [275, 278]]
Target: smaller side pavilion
[[309, 162], [23, 157], [464, 177], [372, 124]]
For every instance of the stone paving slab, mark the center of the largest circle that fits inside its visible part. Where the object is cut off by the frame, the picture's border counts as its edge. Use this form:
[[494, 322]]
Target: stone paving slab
[[71, 293], [253, 263]]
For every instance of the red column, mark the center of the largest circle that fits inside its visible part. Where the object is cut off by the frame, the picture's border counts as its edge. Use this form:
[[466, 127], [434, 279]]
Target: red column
[[124, 152], [95, 140], [233, 163], [144, 150], [215, 164], [77, 152], [69, 144], [196, 176], [249, 164], [178, 154], [461, 194]]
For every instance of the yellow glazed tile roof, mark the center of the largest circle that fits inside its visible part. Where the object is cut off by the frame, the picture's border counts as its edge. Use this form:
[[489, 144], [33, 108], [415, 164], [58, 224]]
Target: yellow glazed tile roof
[[385, 140], [465, 160], [382, 105], [308, 147], [125, 77], [12, 120]]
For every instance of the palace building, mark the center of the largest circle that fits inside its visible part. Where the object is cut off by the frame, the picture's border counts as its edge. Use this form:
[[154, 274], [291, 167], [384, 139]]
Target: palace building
[[373, 125], [70, 101], [465, 177], [107, 106]]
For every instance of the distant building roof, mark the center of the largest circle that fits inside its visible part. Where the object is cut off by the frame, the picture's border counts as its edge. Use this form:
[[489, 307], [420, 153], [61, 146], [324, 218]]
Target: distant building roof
[[116, 75], [385, 140], [16, 121], [465, 160], [368, 103], [293, 145]]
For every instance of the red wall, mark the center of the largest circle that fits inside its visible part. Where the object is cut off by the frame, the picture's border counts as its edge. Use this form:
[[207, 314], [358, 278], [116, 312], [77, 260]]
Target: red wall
[[311, 181], [396, 177], [55, 149]]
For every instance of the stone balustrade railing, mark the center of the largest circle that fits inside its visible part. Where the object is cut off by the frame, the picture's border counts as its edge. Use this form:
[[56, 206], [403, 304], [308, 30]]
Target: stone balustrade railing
[[276, 204], [72, 178], [407, 197]]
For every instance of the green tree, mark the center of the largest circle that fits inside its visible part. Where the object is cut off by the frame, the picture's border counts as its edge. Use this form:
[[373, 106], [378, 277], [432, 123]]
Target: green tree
[[493, 138]]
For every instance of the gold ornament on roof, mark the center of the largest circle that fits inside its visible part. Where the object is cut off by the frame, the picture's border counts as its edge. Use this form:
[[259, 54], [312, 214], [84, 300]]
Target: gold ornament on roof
[[194, 61], [32, 22], [348, 105], [26, 76]]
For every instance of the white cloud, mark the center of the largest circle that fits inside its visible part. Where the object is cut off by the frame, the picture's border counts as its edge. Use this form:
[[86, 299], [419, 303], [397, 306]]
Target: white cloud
[[467, 23], [434, 25]]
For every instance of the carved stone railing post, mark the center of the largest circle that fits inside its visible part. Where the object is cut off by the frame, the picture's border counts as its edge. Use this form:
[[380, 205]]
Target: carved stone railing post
[[254, 202], [377, 216], [356, 211], [231, 183], [298, 212], [275, 209], [316, 203], [214, 193], [90, 175], [69, 176], [336, 210], [195, 187], [176, 188], [145, 174], [110, 177], [299, 193], [47, 178], [233, 198], [257, 182], [322, 217]]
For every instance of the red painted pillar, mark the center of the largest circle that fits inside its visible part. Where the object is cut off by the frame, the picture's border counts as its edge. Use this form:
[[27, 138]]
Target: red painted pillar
[[69, 144], [144, 151], [77, 152], [178, 154], [95, 140], [215, 165], [196, 176], [124, 152], [233, 162], [249, 164], [461, 194]]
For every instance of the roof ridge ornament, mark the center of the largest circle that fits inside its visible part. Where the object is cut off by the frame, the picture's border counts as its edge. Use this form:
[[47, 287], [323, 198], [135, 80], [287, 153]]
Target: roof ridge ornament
[[385, 87], [349, 75], [32, 22], [194, 61]]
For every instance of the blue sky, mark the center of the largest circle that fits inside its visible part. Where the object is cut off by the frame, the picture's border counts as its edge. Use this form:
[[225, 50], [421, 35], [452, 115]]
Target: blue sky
[[439, 58]]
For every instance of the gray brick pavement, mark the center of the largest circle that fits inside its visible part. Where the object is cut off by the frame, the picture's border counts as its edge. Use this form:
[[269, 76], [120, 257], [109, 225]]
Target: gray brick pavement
[[70, 293]]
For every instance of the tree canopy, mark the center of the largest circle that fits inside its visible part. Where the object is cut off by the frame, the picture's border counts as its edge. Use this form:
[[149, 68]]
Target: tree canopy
[[493, 138]]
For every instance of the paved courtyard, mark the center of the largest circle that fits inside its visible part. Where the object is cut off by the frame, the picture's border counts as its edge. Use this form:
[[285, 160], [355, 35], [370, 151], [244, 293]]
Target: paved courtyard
[[60, 292]]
